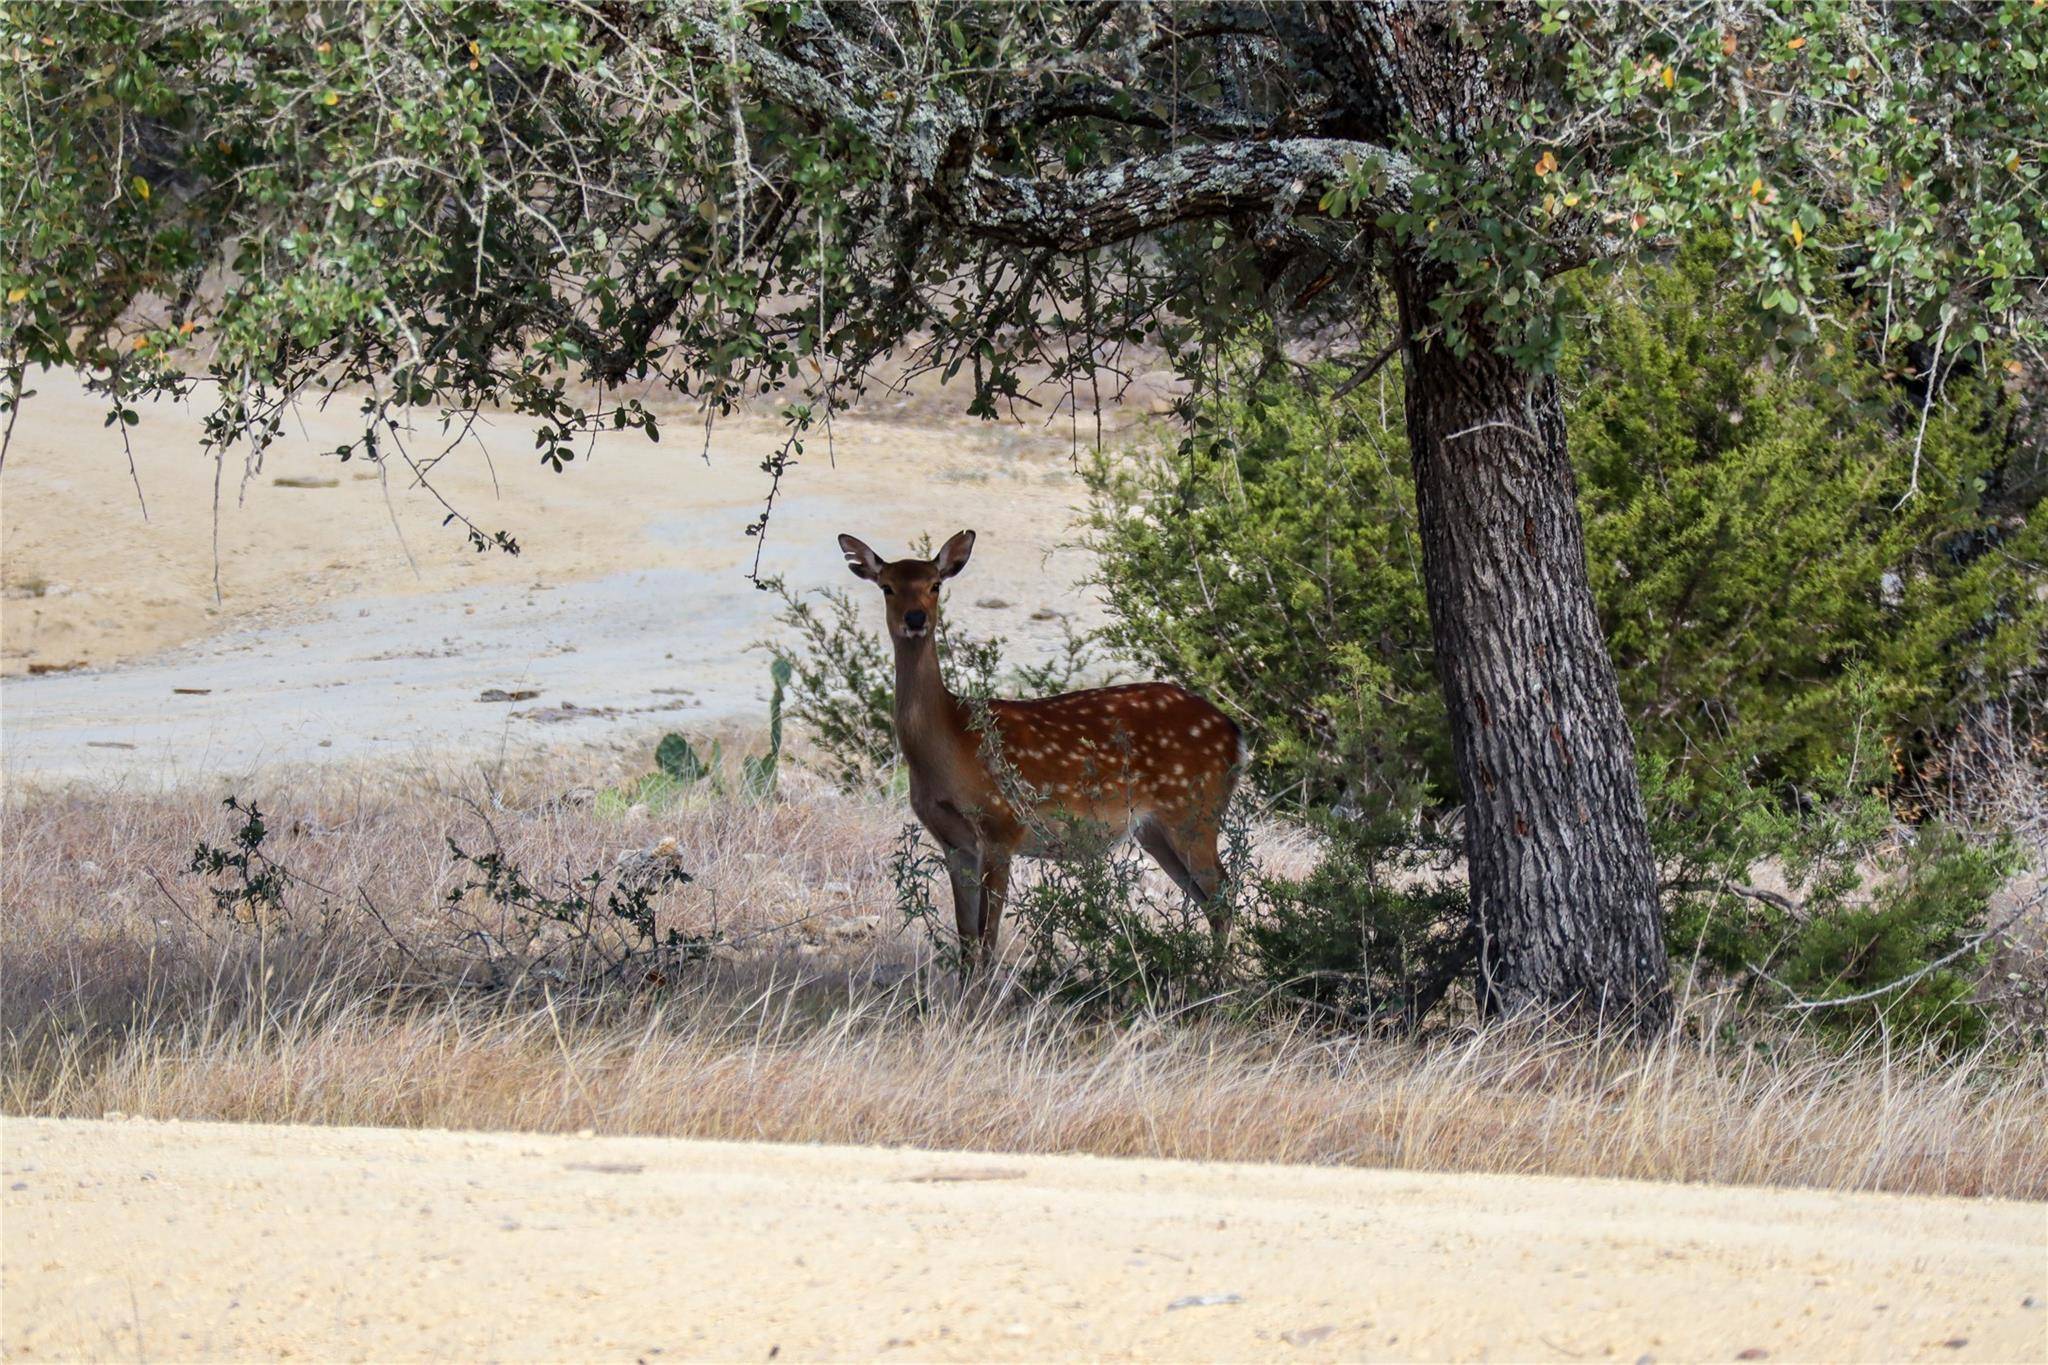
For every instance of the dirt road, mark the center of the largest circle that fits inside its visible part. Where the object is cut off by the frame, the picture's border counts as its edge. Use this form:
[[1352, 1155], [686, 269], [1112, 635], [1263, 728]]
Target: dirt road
[[353, 625], [132, 1240]]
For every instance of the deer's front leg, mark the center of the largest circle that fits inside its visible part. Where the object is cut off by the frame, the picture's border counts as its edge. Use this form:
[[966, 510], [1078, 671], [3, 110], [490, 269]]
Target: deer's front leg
[[995, 890], [964, 871]]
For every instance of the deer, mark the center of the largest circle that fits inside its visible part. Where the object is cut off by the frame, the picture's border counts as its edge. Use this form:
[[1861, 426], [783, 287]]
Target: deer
[[1054, 777]]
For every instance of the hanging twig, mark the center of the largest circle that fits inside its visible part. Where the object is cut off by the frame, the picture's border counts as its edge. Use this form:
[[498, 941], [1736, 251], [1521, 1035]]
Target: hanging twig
[[1926, 406]]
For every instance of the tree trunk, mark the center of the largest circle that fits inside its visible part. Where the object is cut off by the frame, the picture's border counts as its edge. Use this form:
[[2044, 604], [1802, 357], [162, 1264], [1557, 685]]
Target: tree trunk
[[1563, 884]]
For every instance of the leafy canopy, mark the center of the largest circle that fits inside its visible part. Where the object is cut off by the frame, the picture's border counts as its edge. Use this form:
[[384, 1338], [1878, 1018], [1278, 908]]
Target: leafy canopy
[[532, 205], [1760, 578]]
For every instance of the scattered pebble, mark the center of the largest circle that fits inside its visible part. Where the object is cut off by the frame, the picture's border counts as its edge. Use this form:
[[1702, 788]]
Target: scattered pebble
[[1956, 1343], [1753, 1353], [1204, 1301], [1306, 1336]]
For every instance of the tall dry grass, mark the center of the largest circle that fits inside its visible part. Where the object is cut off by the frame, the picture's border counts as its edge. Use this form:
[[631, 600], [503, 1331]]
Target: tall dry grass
[[829, 1024]]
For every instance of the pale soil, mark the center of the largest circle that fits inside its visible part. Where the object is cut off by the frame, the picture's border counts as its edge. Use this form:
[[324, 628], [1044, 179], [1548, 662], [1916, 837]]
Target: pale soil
[[630, 598], [131, 1240]]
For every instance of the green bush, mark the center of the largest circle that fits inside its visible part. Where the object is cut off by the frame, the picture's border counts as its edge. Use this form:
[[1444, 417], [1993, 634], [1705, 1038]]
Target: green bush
[[1374, 936], [1870, 924], [1745, 534], [1790, 629]]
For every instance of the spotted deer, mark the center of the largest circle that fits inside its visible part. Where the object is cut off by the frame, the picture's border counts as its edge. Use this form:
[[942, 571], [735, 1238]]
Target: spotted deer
[[1048, 778]]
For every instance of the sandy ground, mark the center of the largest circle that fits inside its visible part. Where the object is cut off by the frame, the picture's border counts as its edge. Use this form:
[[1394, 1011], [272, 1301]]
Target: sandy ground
[[134, 1240], [353, 625]]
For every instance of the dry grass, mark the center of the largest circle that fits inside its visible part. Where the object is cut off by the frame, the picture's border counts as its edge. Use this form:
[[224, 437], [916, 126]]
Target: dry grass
[[830, 1025]]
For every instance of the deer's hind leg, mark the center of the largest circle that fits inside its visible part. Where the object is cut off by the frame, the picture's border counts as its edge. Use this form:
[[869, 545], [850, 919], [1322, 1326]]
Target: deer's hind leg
[[1187, 852]]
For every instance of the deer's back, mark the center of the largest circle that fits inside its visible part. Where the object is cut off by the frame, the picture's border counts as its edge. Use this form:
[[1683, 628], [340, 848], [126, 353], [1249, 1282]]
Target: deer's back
[[1113, 754]]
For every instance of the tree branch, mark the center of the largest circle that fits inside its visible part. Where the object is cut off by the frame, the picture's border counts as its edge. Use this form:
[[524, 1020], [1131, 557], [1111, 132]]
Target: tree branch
[[1098, 208]]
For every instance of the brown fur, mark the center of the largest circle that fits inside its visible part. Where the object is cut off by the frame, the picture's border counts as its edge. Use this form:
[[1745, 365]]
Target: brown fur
[[1052, 777]]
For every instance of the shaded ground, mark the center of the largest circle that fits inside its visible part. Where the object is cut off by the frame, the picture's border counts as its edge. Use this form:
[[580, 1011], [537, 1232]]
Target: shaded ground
[[126, 1240]]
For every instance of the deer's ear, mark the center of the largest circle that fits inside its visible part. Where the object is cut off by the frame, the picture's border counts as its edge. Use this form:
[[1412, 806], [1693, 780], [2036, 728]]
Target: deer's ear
[[864, 562], [952, 556]]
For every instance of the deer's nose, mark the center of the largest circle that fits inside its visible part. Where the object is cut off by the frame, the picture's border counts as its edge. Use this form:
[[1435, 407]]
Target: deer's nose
[[914, 620]]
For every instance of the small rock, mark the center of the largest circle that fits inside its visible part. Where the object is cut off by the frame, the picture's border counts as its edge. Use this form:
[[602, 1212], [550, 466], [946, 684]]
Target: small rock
[[1306, 1336], [992, 604], [2030, 1302], [1956, 1343], [500, 694], [19, 1185], [1203, 1301], [1753, 1353]]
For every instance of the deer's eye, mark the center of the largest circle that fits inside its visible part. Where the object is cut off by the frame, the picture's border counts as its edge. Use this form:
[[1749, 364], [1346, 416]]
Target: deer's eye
[[888, 591]]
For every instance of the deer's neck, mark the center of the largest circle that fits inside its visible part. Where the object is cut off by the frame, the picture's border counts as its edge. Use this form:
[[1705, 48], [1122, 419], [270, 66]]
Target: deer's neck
[[928, 722]]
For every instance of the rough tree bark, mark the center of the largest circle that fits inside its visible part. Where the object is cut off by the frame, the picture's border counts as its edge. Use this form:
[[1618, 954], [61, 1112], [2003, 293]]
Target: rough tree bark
[[1563, 883]]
